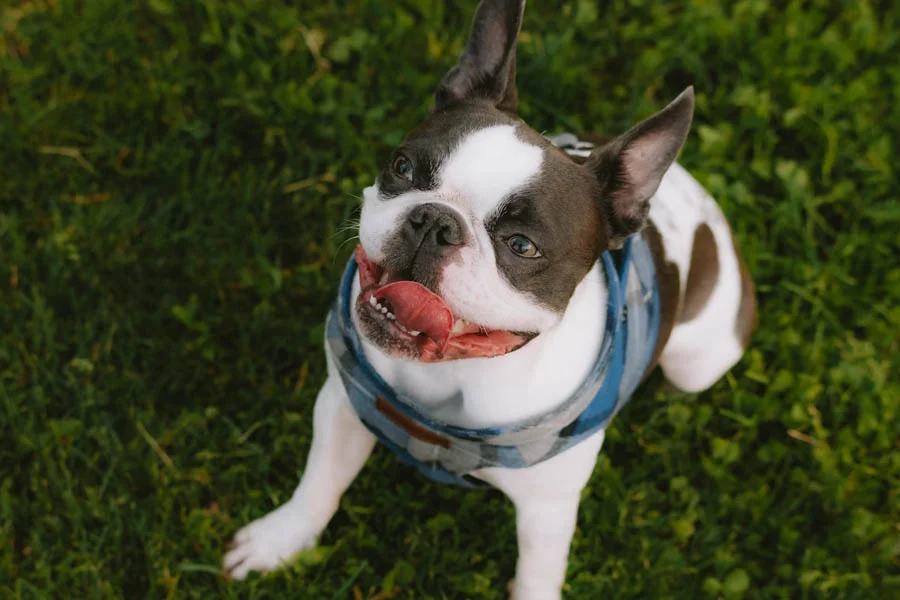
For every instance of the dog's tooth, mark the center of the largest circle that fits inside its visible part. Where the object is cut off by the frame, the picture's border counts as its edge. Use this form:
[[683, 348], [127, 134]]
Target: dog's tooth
[[390, 316], [413, 332], [383, 310], [373, 301]]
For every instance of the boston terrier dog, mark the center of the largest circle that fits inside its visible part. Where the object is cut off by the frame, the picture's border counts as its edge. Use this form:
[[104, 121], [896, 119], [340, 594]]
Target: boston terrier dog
[[509, 293]]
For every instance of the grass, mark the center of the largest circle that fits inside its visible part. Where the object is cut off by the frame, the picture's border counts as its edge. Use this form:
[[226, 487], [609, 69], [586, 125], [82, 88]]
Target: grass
[[174, 180]]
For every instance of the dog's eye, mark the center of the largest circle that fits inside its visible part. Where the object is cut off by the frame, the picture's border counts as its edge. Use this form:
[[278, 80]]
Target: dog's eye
[[402, 167], [522, 246]]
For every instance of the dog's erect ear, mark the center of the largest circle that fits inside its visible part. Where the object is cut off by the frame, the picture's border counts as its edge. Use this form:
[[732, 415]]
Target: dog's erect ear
[[487, 69], [630, 167]]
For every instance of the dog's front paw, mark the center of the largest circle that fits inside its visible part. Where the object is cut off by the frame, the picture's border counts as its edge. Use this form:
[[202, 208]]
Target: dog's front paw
[[268, 543]]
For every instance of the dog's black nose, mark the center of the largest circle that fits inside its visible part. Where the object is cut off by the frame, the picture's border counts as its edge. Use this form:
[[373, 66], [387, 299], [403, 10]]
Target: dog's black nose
[[433, 225]]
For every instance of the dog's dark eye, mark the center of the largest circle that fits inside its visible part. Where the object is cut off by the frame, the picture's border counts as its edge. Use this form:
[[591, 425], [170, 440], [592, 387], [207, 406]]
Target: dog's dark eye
[[402, 167], [522, 246]]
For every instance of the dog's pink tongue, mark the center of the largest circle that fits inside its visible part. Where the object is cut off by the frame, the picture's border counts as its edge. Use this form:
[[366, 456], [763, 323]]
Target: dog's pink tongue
[[418, 308]]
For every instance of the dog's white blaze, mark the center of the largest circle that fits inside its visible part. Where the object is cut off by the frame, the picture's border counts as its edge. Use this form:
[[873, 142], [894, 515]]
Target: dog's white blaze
[[486, 167]]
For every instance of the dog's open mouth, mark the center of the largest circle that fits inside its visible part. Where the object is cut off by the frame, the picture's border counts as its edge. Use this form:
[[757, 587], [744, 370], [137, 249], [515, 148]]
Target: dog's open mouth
[[407, 319]]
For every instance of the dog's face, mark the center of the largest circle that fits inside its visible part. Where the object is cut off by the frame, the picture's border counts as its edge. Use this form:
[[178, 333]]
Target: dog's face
[[478, 230]]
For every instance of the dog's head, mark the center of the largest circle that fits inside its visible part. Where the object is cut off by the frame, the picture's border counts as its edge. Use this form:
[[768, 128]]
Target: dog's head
[[478, 230]]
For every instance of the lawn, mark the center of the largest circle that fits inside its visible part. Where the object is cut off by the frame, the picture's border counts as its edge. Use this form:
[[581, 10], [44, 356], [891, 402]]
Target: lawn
[[177, 183]]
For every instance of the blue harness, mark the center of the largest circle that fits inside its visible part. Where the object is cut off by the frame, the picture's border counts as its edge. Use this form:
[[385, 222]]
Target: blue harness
[[449, 454]]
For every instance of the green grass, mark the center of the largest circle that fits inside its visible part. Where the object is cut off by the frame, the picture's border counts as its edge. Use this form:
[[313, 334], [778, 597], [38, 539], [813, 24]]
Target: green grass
[[174, 180]]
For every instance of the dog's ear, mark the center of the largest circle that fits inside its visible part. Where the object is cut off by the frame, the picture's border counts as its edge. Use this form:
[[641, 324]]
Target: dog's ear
[[631, 166], [487, 69]]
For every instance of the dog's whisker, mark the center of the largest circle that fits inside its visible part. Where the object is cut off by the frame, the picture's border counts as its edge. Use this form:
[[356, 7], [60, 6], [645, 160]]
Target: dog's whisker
[[343, 230], [347, 241]]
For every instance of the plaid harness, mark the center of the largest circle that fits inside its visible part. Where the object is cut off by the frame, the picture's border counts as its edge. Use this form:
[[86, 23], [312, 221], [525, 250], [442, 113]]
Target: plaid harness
[[449, 454]]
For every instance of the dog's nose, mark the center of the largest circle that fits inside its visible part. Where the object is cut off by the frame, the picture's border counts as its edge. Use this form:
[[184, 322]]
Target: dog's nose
[[434, 225]]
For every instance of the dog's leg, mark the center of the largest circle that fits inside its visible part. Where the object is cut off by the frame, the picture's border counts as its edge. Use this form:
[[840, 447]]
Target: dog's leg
[[341, 444], [546, 497]]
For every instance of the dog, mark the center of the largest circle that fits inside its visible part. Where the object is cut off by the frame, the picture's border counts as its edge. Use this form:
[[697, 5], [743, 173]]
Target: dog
[[509, 293]]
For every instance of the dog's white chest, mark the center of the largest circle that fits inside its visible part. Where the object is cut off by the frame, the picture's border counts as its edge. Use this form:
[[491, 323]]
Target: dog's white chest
[[482, 392]]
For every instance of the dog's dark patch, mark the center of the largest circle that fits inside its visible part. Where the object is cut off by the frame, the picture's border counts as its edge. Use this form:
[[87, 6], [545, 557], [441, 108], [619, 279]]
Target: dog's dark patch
[[746, 318], [703, 274], [669, 282], [544, 211]]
